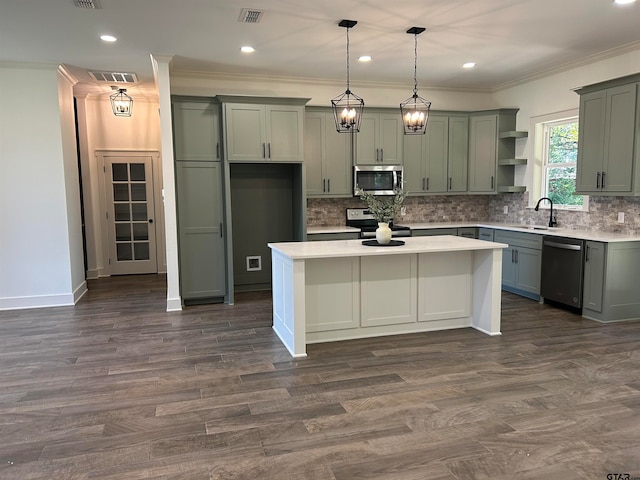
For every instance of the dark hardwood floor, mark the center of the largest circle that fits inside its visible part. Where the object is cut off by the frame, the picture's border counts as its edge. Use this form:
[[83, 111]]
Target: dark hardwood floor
[[117, 388]]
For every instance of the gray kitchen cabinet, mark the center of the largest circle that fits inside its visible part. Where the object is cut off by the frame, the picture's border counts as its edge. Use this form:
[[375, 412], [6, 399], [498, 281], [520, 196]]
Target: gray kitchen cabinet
[[467, 232], [521, 262], [612, 281], [427, 232], [483, 131], [197, 126], [379, 141], [327, 156], [492, 162], [333, 236], [486, 234], [436, 162], [608, 132], [201, 246], [593, 283], [199, 198], [264, 132]]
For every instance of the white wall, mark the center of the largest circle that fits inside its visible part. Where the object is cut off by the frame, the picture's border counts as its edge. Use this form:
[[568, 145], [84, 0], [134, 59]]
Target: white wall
[[38, 242]]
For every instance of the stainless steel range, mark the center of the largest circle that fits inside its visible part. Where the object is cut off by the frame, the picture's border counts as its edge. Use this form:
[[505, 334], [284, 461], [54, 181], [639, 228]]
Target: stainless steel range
[[361, 218]]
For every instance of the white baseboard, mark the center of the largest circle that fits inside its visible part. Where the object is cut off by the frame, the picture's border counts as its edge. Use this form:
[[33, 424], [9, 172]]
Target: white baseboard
[[174, 304], [39, 301], [79, 292]]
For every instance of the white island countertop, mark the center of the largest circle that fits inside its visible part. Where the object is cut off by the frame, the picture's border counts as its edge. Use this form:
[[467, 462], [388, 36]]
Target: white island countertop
[[355, 248]]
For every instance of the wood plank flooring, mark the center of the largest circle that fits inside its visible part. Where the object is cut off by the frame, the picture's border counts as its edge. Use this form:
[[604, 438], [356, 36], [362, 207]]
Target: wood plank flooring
[[116, 388]]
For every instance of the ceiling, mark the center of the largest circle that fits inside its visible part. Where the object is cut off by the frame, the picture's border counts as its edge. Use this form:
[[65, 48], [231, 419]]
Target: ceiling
[[508, 39]]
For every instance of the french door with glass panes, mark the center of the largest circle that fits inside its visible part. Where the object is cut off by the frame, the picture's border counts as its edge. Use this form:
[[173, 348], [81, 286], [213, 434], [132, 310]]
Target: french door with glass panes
[[130, 214]]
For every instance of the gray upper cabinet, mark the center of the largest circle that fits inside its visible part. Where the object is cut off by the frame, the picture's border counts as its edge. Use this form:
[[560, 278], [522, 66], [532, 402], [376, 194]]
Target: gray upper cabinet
[[255, 132], [379, 141], [483, 131], [197, 128], [607, 148], [327, 156], [436, 162]]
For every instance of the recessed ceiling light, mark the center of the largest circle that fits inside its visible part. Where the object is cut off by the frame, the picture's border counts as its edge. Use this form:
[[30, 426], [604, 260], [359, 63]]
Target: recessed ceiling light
[[469, 65], [364, 58], [247, 49], [623, 2], [108, 38]]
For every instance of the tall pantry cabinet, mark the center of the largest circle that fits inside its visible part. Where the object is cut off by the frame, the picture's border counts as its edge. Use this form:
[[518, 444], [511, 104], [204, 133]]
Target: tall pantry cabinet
[[199, 198]]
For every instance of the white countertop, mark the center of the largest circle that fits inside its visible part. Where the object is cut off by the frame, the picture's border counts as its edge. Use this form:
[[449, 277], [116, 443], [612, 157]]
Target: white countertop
[[355, 248], [594, 235]]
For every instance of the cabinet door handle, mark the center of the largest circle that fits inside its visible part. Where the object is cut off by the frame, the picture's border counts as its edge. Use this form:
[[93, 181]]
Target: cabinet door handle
[[427, 183], [323, 185], [602, 184], [598, 180], [513, 256], [220, 229], [328, 185], [377, 154], [449, 183], [264, 150], [586, 255], [491, 182], [516, 252], [382, 155], [218, 150]]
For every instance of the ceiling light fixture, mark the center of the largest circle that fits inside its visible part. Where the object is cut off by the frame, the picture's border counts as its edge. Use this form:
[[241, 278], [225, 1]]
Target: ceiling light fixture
[[247, 49], [121, 103], [108, 38], [347, 107], [364, 58], [623, 2], [415, 109], [469, 65]]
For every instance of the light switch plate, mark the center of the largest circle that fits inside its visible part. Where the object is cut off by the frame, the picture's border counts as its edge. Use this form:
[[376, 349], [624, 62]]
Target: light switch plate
[[620, 217]]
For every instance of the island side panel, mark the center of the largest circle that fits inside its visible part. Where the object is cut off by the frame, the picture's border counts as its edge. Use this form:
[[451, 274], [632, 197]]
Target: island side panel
[[288, 292], [445, 286], [487, 291]]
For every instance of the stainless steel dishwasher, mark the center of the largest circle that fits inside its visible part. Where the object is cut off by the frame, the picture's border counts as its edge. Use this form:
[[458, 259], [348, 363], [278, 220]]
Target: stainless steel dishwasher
[[562, 270]]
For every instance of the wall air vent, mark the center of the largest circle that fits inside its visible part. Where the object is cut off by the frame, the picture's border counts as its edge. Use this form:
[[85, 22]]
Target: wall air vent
[[93, 4], [250, 15], [114, 77]]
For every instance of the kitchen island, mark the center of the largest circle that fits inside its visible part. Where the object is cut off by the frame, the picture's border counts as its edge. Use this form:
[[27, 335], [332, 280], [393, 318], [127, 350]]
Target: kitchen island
[[327, 291]]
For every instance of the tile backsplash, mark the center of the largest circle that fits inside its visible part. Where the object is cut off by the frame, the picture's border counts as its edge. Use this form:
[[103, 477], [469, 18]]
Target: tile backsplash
[[602, 214]]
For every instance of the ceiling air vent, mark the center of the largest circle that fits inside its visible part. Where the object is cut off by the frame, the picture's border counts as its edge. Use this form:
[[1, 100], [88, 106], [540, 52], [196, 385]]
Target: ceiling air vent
[[114, 77], [93, 4], [250, 15]]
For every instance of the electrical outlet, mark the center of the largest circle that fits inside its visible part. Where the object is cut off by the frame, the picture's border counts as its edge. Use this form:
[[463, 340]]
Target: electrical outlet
[[505, 209], [403, 211], [620, 217]]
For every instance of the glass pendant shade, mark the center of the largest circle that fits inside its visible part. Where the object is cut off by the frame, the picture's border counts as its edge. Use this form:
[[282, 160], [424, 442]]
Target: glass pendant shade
[[347, 107], [415, 109], [121, 103]]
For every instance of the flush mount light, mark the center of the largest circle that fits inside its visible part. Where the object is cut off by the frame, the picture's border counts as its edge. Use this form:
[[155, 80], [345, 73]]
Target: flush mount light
[[121, 103], [469, 65], [364, 58], [623, 2], [415, 109], [247, 49], [347, 107], [108, 38]]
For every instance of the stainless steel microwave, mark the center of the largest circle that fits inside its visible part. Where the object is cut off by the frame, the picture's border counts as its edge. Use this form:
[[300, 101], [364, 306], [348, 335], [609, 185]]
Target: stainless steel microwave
[[377, 179]]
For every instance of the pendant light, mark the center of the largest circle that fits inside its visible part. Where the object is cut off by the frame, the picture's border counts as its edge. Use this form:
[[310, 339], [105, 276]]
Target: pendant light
[[121, 103], [415, 109], [347, 107]]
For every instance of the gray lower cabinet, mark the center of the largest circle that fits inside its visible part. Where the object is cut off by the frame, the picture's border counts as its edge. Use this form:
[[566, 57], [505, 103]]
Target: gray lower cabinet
[[333, 236], [593, 276], [485, 234], [612, 281], [467, 232], [521, 262], [426, 232], [200, 235]]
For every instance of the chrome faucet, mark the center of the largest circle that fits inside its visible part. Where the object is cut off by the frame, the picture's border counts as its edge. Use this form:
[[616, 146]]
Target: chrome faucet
[[552, 219]]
